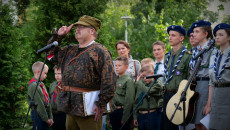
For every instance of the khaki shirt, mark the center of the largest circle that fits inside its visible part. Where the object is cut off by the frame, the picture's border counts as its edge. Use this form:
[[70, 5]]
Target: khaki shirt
[[51, 92], [124, 95], [182, 70], [155, 93], [226, 74], [42, 108]]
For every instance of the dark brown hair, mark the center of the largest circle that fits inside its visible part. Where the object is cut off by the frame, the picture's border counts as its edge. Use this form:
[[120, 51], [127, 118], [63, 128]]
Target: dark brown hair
[[209, 30], [56, 67], [159, 43], [227, 31], [126, 44], [123, 59]]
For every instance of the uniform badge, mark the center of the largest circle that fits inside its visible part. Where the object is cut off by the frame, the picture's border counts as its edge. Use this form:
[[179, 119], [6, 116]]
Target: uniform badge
[[172, 27], [119, 85], [195, 25], [177, 72], [219, 26]]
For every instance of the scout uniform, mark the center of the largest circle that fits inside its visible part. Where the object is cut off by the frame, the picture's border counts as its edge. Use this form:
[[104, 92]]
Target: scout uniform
[[219, 76], [133, 69], [123, 101], [202, 76], [176, 69], [41, 97], [59, 117], [156, 96], [83, 70]]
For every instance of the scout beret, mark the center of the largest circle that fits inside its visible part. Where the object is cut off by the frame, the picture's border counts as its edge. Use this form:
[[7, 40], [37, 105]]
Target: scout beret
[[220, 26], [89, 21], [201, 23], [189, 31], [177, 28]]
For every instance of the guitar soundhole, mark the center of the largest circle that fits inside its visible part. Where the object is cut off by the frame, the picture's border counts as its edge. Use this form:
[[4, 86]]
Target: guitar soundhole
[[179, 108]]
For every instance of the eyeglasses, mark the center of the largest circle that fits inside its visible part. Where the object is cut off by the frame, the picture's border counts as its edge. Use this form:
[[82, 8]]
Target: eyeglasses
[[82, 27]]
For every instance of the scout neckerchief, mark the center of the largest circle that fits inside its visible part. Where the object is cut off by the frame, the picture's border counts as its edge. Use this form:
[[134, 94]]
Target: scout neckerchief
[[55, 94], [217, 65], [170, 75], [194, 53], [46, 96]]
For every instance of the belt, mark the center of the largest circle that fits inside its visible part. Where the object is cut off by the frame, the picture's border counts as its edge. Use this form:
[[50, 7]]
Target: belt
[[202, 78], [146, 111], [119, 107], [222, 85], [170, 91], [76, 89]]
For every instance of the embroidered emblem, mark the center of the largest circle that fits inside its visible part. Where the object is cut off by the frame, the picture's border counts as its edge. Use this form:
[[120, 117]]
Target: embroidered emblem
[[172, 27], [219, 26], [177, 72], [195, 25]]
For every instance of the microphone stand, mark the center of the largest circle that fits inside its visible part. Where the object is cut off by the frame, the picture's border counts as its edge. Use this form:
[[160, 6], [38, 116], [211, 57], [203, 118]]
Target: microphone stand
[[33, 105], [146, 95]]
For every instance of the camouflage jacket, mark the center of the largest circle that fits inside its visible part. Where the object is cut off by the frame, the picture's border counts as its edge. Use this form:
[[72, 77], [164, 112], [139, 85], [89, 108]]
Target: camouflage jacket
[[92, 69]]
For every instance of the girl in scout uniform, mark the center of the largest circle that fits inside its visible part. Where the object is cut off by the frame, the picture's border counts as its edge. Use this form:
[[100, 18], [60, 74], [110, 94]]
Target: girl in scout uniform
[[202, 32], [220, 80]]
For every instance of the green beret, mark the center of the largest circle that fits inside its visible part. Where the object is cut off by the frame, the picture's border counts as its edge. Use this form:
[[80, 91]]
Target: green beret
[[89, 21]]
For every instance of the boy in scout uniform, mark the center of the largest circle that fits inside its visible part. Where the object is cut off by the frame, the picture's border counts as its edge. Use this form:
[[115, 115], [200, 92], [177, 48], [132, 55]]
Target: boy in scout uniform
[[202, 33], [54, 91], [141, 114], [176, 66], [124, 96], [220, 81], [44, 111]]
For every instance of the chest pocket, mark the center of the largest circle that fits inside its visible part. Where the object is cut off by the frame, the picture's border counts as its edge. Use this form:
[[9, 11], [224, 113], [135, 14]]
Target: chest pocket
[[121, 89], [181, 67]]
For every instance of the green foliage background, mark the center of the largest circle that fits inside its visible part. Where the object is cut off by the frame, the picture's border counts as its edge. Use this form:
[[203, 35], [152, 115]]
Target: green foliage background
[[22, 37]]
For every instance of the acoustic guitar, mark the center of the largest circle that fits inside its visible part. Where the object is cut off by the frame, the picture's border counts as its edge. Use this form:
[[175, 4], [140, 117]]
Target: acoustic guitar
[[187, 88]]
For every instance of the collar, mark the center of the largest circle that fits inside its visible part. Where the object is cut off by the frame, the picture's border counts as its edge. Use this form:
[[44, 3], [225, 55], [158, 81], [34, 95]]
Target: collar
[[178, 52], [162, 61], [90, 43], [205, 44]]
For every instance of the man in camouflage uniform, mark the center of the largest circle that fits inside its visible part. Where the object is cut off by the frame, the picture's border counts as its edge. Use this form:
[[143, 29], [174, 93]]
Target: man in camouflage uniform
[[176, 66], [85, 67]]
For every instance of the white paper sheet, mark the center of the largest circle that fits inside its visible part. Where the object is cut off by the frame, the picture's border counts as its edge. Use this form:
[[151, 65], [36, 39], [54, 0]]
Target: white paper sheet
[[90, 98], [205, 121]]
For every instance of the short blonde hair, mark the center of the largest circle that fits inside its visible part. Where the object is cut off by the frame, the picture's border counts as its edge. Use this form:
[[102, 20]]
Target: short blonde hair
[[38, 66], [147, 68], [147, 61]]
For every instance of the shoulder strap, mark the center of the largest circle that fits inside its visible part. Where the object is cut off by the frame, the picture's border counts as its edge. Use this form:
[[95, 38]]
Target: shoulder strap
[[135, 68], [81, 54]]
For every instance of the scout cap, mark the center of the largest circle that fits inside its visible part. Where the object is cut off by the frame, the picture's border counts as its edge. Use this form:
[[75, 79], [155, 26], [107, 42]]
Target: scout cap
[[201, 23], [177, 28], [220, 26], [190, 30], [89, 21]]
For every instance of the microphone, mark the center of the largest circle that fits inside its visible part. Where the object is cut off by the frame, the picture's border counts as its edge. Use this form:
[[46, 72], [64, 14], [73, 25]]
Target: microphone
[[48, 47], [155, 76], [205, 49]]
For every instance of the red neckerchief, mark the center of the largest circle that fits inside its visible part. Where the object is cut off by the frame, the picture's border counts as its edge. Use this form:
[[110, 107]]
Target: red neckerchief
[[55, 94], [46, 96]]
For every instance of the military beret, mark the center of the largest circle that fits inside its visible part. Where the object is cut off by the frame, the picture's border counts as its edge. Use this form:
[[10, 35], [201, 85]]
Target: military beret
[[201, 23], [177, 28], [220, 26], [89, 21]]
